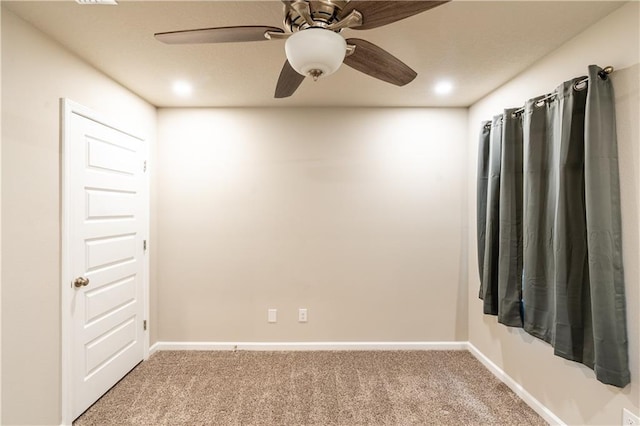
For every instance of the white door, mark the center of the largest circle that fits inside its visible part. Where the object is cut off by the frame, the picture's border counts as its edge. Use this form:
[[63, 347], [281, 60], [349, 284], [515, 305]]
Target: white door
[[106, 225]]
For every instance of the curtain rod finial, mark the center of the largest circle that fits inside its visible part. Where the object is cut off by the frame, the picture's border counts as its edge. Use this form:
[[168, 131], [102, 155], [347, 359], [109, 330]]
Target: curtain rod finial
[[604, 74]]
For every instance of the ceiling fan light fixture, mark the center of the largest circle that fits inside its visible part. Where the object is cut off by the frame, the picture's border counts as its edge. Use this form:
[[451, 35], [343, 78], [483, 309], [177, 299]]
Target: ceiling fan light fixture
[[315, 52]]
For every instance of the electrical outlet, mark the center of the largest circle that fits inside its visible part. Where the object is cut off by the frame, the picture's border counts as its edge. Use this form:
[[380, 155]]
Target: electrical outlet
[[302, 315], [272, 315], [629, 419]]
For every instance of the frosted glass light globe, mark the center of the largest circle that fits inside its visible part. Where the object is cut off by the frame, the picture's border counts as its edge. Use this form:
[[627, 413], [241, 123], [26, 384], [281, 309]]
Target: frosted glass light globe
[[315, 51]]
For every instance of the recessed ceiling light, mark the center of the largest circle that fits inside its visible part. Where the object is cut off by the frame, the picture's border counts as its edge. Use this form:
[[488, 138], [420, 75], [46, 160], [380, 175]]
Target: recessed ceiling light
[[182, 88], [109, 2], [443, 87]]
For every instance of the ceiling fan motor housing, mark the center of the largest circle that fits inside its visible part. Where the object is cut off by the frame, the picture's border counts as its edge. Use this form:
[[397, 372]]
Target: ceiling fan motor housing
[[323, 13]]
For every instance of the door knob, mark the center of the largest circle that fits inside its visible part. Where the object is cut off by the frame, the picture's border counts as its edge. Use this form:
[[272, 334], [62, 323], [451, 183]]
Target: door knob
[[81, 282]]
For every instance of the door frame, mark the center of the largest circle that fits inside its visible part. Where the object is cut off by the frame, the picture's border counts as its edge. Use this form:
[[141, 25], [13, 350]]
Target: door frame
[[67, 109]]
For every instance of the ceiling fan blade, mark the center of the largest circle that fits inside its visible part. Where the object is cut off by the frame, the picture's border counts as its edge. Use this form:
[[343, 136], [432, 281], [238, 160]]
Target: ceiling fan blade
[[377, 62], [288, 82], [217, 35], [376, 13]]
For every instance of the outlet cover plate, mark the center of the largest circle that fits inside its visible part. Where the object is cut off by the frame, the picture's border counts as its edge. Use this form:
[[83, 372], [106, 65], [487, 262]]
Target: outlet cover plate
[[302, 315], [629, 419]]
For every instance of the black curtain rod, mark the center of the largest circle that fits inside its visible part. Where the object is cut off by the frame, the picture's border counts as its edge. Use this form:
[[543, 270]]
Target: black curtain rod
[[603, 74]]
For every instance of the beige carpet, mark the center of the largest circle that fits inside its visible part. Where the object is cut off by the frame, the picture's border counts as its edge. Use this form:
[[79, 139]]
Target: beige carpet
[[310, 388]]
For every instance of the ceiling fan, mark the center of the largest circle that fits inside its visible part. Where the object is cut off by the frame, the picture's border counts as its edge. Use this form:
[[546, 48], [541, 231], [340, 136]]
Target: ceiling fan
[[314, 46]]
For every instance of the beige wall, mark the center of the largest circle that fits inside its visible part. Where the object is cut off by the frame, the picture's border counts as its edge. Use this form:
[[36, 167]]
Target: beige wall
[[569, 389], [354, 214], [35, 74]]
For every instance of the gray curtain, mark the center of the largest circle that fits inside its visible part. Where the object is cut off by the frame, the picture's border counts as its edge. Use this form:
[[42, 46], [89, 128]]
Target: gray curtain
[[510, 248], [559, 248], [500, 217], [541, 127], [604, 230], [489, 274], [482, 179]]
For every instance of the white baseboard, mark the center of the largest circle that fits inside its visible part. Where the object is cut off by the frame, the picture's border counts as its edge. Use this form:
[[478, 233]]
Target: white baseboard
[[516, 387], [306, 346]]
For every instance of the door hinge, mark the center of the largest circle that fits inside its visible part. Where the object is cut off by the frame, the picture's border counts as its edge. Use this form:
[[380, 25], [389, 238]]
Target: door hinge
[[144, 245], [144, 325], [144, 166]]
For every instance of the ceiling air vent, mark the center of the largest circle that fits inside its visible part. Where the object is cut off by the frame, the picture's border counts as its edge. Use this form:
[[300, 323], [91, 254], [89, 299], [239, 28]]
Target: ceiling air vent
[[109, 2]]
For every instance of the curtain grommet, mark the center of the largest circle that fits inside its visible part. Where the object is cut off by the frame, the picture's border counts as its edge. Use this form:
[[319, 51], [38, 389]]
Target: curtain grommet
[[580, 85]]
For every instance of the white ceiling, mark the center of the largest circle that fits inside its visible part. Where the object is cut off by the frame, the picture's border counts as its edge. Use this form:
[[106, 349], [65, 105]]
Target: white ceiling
[[477, 45]]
